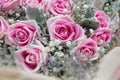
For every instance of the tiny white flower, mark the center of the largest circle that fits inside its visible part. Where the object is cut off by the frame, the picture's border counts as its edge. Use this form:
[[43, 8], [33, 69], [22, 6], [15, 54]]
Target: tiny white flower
[[91, 30], [44, 14], [57, 42], [59, 54], [1, 41], [51, 43], [108, 45], [17, 20], [47, 49], [102, 49], [60, 47], [17, 14], [52, 49], [68, 43], [78, 7], [85, 6]]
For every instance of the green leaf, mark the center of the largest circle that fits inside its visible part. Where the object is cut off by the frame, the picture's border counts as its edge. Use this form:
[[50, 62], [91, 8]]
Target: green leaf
[[90, 23], [89, 12], [34, 13], [88, 1], [116, 5]]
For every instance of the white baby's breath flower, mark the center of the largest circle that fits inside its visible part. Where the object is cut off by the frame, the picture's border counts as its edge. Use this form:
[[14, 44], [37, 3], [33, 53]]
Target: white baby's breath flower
[[47, 49], [44, 14], [1, 41], [57, 42], [51, 44], [85, 6], [60, 47], [17, 14], [59, 54], [68, 43], [52, 49], [108, 45], [102, 49], [91, 30], [77, 7], [17, 20]]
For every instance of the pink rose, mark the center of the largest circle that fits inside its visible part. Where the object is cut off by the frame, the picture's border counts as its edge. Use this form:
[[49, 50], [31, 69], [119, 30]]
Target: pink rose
[[102, 36], [3, 27], [22, 33], [36, 3], [62, 27], [62, 7], [7, 5], [87, 50], [102, 18], [31, 57]]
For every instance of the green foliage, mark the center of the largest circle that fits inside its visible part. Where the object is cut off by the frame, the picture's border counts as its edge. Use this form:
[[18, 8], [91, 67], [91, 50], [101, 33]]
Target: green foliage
[[111, 7], [77, 2], [89, 12], [90, 23], [34, 13], [116, 5], [88, 1]]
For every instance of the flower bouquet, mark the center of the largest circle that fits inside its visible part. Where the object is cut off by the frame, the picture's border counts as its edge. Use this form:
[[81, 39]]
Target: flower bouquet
[[61, 38]]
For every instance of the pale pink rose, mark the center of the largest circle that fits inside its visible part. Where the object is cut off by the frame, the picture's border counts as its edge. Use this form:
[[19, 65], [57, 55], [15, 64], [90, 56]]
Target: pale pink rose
[[62, 27], [102, 36], [102, 18], [31, 57], [60, 7], [35, 3], [3, 27], [7, 5], [22, 33], [86, 50]]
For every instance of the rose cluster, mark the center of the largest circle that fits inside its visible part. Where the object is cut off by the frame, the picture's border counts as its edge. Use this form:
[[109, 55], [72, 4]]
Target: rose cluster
[[24, 35], [88, 49], [55, 7], [31, 54]]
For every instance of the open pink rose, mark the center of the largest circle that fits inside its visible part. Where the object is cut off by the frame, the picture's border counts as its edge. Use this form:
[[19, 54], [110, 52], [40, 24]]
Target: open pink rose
[[102, 36], [102, 18], [7, 5], [35, 3], [31, 57], [3, 27], [22, 33], [60, 7], [87, 50], [62, 27]]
